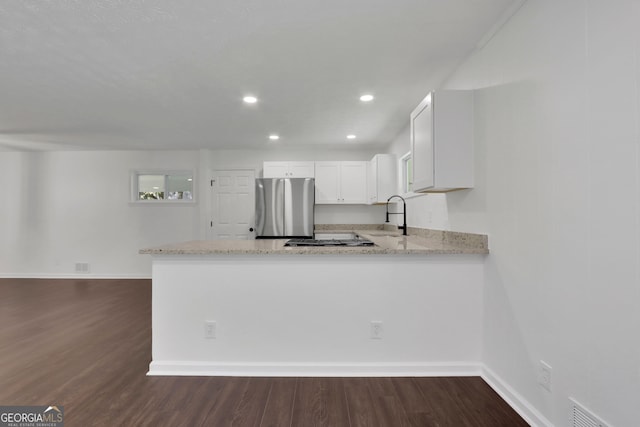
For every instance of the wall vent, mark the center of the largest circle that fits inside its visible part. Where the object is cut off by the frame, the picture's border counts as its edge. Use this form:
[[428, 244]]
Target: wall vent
[[581, 417], [82, 267]]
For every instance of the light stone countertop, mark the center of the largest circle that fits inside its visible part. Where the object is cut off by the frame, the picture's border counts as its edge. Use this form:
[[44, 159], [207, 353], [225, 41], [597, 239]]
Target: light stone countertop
[[386, 240]]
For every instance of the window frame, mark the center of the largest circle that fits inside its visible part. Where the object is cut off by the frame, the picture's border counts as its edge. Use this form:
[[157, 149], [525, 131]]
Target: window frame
[[135, 181], [406, 181]]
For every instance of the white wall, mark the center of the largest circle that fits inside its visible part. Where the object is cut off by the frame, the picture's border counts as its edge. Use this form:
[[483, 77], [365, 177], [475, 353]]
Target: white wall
[[67, 207], [60, 208], [558, 191]]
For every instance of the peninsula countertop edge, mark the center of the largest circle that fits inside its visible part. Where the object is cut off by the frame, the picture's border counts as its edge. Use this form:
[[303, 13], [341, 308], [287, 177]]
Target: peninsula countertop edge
[[387, 240]]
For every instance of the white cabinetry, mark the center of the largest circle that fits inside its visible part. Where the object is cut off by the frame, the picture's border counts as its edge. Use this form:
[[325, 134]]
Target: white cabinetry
[[327, 182], [383, 178], [288, 169], [442, 141], [341, 182], [353, 185]]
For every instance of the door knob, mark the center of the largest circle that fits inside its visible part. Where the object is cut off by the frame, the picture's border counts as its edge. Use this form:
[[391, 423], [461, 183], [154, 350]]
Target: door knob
[[251, 229]]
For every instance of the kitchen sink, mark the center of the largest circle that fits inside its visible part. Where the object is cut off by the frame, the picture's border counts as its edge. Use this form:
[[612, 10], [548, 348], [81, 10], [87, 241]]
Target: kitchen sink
[[329, 242]]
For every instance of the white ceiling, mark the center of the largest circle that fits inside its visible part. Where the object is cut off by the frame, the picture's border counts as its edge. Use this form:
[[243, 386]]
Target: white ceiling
[[171, 74]]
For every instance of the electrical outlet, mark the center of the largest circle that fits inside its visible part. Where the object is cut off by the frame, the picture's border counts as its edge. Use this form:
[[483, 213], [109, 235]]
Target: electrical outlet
[[544, 376], [376, 329], [210, 329]]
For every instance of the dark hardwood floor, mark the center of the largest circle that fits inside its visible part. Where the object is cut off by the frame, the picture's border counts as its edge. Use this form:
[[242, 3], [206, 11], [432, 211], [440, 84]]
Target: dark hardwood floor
[[86, 345]]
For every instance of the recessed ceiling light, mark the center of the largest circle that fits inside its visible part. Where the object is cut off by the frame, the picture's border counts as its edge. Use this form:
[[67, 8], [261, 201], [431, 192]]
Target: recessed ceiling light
[[250, 99], [274, 137], [366, 98], [351, 136]]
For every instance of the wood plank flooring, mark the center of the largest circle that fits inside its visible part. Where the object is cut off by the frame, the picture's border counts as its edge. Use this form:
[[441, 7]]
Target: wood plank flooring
[[86, 345]]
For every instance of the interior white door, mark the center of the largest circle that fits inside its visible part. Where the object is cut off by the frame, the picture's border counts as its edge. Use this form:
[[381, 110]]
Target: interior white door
[[233, 205]]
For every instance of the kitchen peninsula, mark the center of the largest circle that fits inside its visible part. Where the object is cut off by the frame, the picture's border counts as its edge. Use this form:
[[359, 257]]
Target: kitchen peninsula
[[410, 305]]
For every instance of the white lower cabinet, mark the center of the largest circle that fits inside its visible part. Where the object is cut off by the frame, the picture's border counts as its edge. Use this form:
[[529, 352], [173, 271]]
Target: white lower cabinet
[[341, 182]]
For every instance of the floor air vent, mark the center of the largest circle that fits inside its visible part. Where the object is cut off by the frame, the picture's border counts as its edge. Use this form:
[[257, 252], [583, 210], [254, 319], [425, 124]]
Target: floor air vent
[[82, 267], [581, 417]]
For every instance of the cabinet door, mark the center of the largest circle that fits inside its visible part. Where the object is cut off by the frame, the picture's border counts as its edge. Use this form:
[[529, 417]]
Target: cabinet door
[[275, 169], [387, 177], [442, 136], [327, 182], [372, 181], [353, 182], [422, 146], [301, 170], [453, 136]]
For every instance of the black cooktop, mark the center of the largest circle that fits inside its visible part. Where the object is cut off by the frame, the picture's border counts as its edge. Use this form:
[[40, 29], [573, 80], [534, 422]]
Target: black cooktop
[[329, 242]]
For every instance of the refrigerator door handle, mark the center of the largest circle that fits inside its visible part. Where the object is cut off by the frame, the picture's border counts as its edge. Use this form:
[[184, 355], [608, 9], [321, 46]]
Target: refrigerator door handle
[[309, 203], [278, 218], [260, 207], [288, 207]]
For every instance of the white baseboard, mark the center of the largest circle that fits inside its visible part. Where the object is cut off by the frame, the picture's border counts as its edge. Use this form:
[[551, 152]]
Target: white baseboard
[[192, 368], [72, 276], [519, 404]]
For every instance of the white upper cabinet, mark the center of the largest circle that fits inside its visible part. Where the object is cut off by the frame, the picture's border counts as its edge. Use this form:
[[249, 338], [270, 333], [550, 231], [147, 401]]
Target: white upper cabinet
[[288, 169], [383, 178], [353, 185], [341, 182], [327, 182], [442, 141]]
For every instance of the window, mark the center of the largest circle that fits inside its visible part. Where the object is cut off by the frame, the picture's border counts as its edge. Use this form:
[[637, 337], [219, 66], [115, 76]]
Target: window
[[170, 186], [407, 173]]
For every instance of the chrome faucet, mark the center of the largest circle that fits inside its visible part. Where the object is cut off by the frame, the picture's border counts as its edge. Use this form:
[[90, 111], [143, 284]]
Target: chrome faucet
[[404, 213]]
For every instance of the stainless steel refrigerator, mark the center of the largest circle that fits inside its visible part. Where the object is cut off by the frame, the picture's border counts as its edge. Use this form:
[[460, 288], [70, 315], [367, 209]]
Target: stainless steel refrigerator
[[284, 207]]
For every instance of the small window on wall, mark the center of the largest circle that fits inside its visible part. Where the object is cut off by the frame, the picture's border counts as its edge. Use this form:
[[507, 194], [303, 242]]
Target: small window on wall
[[407, 173], [174, 186]]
